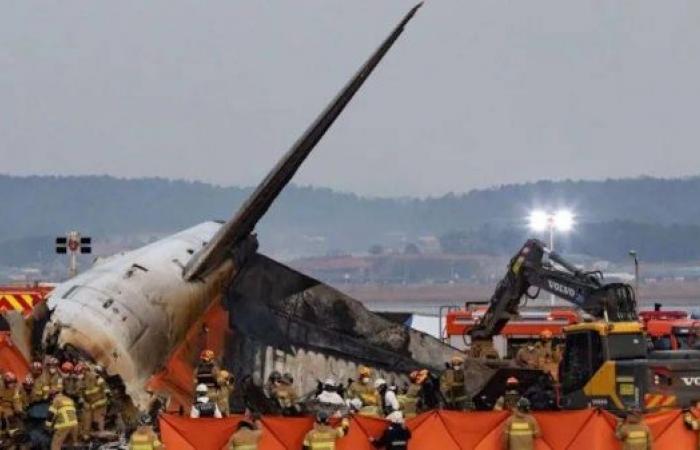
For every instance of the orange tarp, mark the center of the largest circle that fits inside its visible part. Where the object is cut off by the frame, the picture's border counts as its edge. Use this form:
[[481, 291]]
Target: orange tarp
[[437, 430]]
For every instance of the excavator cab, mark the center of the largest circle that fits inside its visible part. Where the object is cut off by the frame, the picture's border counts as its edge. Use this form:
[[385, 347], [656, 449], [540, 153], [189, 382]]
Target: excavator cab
[[604, 365]]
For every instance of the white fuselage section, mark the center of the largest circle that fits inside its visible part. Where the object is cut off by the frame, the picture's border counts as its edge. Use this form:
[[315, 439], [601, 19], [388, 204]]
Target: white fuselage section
[[131, 310]]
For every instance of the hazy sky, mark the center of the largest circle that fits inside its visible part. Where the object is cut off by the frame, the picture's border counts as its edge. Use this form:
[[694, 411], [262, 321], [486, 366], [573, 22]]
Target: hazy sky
[[476, 93]]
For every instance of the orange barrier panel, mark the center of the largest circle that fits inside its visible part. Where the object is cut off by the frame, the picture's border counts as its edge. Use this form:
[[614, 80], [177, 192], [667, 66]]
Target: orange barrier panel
[[438, 430], [11, 358]]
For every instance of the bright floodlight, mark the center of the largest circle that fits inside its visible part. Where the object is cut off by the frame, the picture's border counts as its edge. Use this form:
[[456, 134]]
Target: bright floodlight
[[539, 220], [563, 220]]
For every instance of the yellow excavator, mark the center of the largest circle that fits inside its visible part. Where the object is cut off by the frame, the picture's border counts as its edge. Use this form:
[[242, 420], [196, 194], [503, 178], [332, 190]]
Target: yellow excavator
[[607, 361]]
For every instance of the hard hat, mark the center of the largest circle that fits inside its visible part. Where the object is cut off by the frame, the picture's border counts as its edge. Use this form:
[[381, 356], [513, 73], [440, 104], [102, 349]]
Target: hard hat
[[546, 334], [395, 417], [523, 404], [223, 375], [330, 382], [202, 388], [364, 371], [322, 417], [287, 378], [51, 361], [80, 368], [207, 355], [379, 382], [67, 367], [28, 380], [355, 404], [512, 380], [457, 359], [145, 420], [9, 377]]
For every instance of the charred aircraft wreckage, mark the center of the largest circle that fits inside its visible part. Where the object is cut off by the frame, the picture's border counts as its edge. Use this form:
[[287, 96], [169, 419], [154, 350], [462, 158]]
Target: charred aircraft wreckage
[[144, 315]]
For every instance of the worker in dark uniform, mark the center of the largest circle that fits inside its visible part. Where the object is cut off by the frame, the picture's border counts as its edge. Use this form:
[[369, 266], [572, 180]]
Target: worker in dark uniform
[[452, 384], [203, 406], [521, 429], [323, 436], [633, 433], [396, 436], [509, 399]]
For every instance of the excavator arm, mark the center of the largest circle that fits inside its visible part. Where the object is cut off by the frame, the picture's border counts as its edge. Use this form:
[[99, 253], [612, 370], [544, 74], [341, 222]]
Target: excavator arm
[[534, 267]]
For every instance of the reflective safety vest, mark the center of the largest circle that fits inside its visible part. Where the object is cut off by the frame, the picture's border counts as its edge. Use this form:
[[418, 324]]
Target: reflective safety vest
[[245, 439], [144, 439], [521, 432], [634, 436], [62, 413], [95, 392], [323, 437]]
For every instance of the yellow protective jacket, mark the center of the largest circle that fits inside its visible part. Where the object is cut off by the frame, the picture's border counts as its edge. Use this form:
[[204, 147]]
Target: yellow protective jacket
[[10, 401], [245, 439], [452, 385], [520, 432], [144, 438], [62, 413], [323, 437], [634, 436], [95, 391]]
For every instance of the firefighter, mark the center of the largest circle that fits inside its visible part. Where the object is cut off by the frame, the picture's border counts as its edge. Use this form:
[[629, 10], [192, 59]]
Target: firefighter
[[410, 399], [286, 395], [329, 399], [247, 436], [62, 420], [94, 397], [27, 387], [11, 407], [452, 385], [528, 356], [273, 381], [145, 438], [365, 393], [510, 398], [37, 393], [521, 429], [633, 434], [53, 381], [71, 387], [206, 370], [323, 436], [396, 435], [224, 388], [204, 407]]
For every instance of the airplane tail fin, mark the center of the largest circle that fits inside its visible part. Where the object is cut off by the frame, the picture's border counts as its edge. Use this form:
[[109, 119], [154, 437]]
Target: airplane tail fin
[[247, 217]]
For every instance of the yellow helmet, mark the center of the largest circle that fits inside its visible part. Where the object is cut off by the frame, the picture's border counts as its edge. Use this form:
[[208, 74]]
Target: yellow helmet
[[364, 371]]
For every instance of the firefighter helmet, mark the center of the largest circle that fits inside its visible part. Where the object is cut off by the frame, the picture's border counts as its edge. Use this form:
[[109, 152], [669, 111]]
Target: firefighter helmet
[[512, 381], [28, 380], [80, 368], [207, 355], [67, 367], [9, 377], [202, 389], [546, 334], [379, 382], [523, 404], [37, 367], [51, 361]]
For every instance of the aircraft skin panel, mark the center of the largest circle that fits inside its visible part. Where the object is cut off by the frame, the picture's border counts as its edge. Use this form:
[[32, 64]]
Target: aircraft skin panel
[[131, 311]]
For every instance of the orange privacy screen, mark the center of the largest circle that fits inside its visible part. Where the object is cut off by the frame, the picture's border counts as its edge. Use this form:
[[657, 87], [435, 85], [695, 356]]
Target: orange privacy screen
[[443, 430]]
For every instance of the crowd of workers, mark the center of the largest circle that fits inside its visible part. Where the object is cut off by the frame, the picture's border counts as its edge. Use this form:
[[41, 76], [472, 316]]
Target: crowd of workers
[[78, 400]]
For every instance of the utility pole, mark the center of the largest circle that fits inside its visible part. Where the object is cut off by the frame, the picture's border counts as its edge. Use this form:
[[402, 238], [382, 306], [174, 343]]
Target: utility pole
[[72, 244], [633, 254]]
